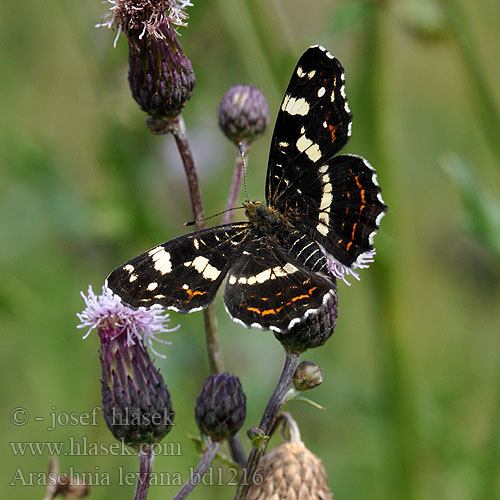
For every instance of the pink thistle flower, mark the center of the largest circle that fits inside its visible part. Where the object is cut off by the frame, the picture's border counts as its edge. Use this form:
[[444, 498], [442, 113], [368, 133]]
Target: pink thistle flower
[[111, 318]]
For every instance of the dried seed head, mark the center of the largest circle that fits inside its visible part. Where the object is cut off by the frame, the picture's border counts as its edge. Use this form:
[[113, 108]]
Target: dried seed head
[[70, 487], [290, 472], [243, 113], [314, 330], [220, 409], [63, 484]]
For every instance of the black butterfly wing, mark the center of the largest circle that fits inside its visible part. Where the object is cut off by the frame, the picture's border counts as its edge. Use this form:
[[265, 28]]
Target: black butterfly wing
[[340, 206], [313, 123], [266, 290], [182, 274], [336, 200]]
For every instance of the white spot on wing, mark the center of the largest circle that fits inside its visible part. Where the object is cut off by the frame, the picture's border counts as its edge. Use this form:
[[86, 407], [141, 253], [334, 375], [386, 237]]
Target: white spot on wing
[[129, 268], [132, 278], [321, 228], [290, 268], [161, 259], [300, 72], [309, 147], [202, 265], [267, 274], [321, 92], [295, 106], [152, 286], [311, 74]]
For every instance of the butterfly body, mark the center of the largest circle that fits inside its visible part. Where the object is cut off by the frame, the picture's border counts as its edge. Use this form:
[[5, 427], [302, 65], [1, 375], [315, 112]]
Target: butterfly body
[[318, 221]]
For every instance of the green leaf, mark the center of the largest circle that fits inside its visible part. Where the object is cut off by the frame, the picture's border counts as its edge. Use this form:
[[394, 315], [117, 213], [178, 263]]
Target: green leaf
[[481, 209]]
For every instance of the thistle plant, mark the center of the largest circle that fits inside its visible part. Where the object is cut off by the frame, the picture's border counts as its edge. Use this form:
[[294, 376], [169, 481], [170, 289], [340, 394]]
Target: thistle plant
[[185, 273], [136, 402]]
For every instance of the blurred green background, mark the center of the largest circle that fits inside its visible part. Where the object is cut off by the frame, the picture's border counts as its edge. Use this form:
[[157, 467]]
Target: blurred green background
[[412, 374]]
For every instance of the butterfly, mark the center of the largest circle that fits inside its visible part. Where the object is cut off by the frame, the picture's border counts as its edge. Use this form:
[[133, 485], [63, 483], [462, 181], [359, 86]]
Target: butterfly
[[321, 213]]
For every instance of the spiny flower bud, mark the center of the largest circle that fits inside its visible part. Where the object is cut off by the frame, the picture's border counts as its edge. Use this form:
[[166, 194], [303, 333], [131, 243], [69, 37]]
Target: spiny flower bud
[[221, 406], [308, 375], [314, 330], [136, 402], [160, 74], [243, 113], [290, 472]]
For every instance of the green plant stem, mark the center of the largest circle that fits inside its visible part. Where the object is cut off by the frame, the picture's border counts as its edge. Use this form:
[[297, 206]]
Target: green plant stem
[[145, 468], [489, 115], [268, 420], [375, 123], [203, 465]]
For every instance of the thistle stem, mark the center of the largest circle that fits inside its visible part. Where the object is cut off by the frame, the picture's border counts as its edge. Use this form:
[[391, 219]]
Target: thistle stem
[[232, 198], [204, 464], [180, 135], [267, 422], [177, 127], [145, 468]]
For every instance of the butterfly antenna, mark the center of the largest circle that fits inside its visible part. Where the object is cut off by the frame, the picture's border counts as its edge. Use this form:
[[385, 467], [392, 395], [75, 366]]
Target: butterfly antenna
[[193, 222], [241, 150]]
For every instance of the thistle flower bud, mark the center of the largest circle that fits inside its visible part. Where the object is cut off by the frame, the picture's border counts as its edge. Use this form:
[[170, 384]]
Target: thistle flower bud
[[160, 74], [308, 375], [289, 472], [243, 113], [314, 330], [221, 406], [136, 402]]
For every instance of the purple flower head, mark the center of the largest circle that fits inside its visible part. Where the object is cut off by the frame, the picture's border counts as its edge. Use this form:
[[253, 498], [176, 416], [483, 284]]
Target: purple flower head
[[147, 16], [112, 319]]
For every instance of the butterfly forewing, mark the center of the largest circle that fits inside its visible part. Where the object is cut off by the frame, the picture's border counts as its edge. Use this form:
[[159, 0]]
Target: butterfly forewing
[[313, 123], [182, 274], [266, 290]]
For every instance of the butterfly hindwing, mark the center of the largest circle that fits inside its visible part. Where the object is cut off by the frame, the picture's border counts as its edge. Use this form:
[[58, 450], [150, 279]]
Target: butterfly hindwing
[[340, 206], [266, 290], [313, 123], [182, 274]]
